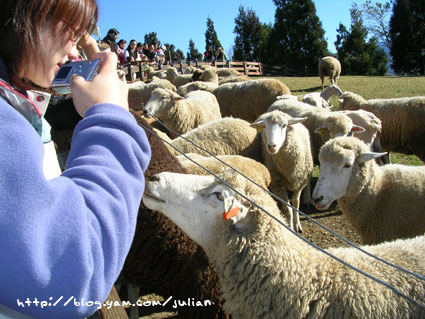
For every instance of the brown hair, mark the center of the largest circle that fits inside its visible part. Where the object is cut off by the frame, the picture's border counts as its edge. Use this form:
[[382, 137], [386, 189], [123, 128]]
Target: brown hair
[[21, 23]]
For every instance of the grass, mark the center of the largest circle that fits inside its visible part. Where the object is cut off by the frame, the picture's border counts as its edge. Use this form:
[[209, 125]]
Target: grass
[[370, 87]]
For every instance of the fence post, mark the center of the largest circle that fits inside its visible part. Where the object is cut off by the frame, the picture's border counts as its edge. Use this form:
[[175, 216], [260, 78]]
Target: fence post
[[245, 71]]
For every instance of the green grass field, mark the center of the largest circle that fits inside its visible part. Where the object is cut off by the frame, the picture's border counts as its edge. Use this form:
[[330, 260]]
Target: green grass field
[[379, 87]]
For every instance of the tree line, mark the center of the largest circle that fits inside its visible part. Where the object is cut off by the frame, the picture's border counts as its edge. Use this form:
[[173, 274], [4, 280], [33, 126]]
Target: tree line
[[380, 34]]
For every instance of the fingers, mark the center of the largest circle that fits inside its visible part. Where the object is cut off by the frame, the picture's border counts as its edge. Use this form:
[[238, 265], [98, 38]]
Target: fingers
[[108, 61]]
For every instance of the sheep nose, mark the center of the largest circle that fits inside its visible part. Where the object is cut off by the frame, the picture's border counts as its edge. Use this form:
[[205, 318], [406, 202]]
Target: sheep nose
[[317, 199], [272, 146], [145, 112]]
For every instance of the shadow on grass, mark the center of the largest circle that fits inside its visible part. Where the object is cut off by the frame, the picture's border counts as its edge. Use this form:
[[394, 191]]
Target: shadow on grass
[[313, 89]]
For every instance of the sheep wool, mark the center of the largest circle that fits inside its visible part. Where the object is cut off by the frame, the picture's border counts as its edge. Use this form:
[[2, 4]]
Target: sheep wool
[[330, 67], [248, 100], [402, 121]]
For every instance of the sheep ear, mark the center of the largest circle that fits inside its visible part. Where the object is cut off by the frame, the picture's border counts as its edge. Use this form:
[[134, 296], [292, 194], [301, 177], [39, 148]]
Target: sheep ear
[[296, 120], [320, 130], [357, 129], [258, 125], [177, 98], [364, 157]]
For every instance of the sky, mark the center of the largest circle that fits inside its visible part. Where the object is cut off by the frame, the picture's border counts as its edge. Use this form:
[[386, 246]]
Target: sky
[[177, 22]]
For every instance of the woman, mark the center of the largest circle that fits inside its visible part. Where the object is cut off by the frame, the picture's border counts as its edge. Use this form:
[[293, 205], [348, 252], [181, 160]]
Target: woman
[[130, 52], [66, 238]]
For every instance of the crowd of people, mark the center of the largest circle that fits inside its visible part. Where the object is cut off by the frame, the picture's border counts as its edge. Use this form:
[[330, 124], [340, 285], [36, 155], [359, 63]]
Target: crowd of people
[[135, 51], [218, 55]]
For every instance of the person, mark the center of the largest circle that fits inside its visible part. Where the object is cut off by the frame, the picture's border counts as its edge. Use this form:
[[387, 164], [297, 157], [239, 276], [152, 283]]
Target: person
[[151, 54], [111, 38], [221, 56], [160, 55], [63, 240], [121, 51], [130, 52], [209, 54], [139, 50]]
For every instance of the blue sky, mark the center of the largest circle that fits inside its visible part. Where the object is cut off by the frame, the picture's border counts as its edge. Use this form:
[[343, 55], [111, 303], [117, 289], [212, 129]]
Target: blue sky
[[177, 22]]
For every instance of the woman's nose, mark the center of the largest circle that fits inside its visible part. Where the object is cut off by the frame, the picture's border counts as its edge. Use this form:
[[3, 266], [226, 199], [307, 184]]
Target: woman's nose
[[74, 53]]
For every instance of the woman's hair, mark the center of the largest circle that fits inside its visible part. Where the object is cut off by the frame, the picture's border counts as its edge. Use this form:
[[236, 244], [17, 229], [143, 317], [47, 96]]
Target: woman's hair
[[129, 45], [22, 22]]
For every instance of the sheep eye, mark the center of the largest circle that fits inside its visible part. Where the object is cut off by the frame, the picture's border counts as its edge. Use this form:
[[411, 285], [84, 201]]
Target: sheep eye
[[219, 196], [347, 165]]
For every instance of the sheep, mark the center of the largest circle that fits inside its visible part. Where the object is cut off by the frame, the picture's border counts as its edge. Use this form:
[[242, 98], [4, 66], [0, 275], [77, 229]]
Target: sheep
[[234, 78], [248, 100], [247, 166], [226, 136], [267, 272], [286, 153], [162, 258], [182, 79], [224, 72], [171, 74], [402, 121], [151, 73], [330, 67], [318, 99], [383, 203], [208, 81], [182, 114], [190, 69], [139, 92]]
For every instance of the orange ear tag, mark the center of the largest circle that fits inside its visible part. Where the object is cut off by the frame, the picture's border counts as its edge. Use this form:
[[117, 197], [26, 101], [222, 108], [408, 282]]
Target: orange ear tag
[[300, 98], [231, 213]]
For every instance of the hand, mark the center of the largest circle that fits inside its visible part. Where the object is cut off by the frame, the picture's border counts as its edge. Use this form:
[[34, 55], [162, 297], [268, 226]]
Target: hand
[[89, 45], [105, 87]]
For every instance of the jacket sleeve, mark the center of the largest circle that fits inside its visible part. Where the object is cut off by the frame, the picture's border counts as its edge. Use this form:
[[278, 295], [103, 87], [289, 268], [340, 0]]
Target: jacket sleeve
[[68, 237]]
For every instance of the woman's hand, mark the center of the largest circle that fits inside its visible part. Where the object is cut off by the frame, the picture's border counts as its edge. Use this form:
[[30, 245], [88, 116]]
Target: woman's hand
[[105, 87], [89, 45]]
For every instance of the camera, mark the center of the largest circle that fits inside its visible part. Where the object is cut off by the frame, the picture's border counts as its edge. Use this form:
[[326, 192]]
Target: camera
[[87, 69]]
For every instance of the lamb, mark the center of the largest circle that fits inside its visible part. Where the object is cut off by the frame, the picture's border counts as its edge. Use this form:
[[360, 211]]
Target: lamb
[[248, 100], [286, 153], [226, 136], [330, 67], [139, 92], [247, 166], [383, 203], [182, 79], [183, 114], [224, 72], [318, 99], [402, 121], [172, 74], [208, 81], [267, 272]]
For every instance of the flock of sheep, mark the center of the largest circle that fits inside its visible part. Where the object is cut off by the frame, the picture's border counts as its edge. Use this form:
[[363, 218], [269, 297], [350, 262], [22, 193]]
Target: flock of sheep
[[275, 138]]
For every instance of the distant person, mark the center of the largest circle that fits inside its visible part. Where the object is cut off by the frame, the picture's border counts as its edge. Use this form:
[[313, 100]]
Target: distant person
[[209, 54], [160, 56], [130, 52], [121, 51], [111, 38], [151, 54], [221, 56], [139, 50]]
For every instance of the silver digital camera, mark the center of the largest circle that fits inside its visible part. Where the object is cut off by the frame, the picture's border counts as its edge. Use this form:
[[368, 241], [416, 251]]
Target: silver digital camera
[[87, 69]]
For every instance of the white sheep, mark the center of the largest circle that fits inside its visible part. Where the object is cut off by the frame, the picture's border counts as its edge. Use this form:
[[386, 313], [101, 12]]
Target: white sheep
[[208, 81], [139, 92], [172, 74], [182, 114], [330, 67], [247, 166], [182, 79], [286, 153], [267, 272], [381, 202], [234, 78], [226, 136], [318, 99], [248, 100], [402, 121]]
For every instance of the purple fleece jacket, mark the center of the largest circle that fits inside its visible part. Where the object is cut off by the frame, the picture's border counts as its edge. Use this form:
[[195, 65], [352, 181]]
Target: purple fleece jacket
[[68, 236]]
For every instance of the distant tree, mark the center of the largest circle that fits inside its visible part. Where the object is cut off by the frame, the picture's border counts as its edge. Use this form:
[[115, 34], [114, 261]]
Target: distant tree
[[211, 38], [359, 56], [193, 53], [170, 54], [250, 35], [297, 37], [376, 17], [179, 55], [407, 29], [151, 38]]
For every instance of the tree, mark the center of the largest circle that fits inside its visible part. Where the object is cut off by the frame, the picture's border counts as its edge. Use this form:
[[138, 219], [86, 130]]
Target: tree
[[357, 55], [407, 29], [297, 37], [250, 36], [376, 17], [211, 38], [193, 53], [151, 38]]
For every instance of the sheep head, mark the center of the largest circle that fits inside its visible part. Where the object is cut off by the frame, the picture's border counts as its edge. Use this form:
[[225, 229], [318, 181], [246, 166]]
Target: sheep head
[[340, 158], [275, 125], [160, 102]]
